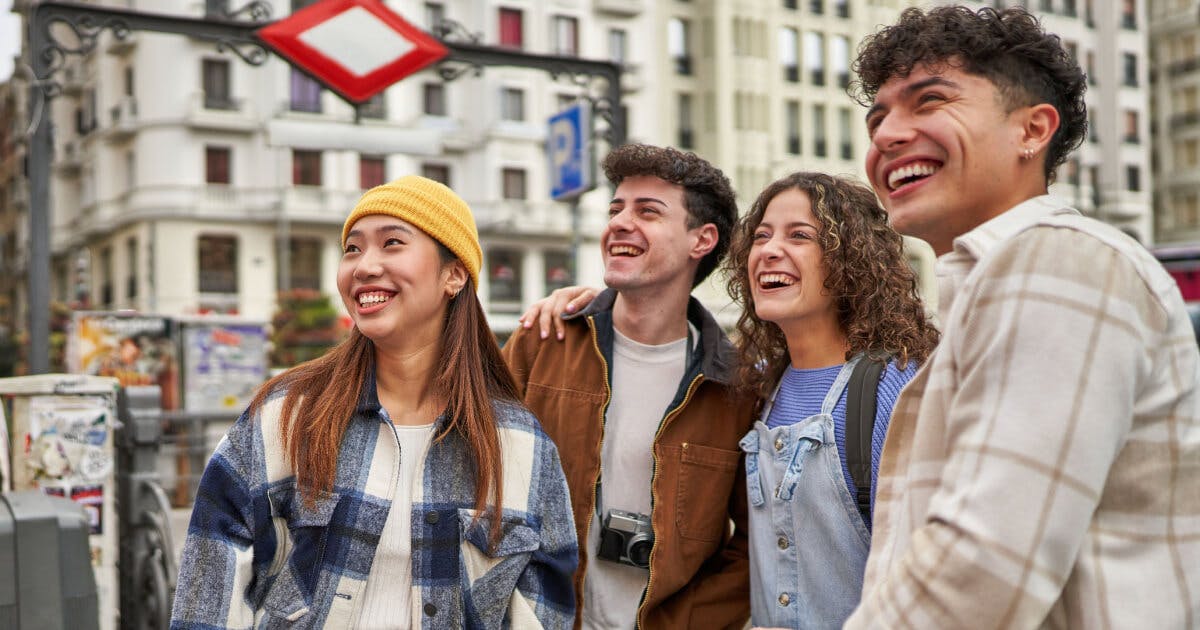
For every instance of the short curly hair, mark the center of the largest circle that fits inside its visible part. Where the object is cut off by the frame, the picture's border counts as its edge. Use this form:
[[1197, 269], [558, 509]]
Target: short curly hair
[[867, 273], [1009, 48], [708, 194]]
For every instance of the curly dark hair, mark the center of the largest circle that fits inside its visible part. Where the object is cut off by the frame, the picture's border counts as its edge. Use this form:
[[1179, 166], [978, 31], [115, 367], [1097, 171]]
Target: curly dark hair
[[1009, 48], [708, 194], [869, 277]]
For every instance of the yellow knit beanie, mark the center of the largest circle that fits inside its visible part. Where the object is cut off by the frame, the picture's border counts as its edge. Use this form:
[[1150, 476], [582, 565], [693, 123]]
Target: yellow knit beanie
[[430, 206]]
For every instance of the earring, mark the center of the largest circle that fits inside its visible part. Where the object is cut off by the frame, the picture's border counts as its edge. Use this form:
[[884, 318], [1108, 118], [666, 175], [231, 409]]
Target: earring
[[1027, 153]]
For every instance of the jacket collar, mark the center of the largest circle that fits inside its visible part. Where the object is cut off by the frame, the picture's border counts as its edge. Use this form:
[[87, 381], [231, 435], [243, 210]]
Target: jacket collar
[[716, 353], [369, 407]]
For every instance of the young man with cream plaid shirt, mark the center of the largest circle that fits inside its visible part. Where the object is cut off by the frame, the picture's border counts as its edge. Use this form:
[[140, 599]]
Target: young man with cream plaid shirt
[[1043, 467]]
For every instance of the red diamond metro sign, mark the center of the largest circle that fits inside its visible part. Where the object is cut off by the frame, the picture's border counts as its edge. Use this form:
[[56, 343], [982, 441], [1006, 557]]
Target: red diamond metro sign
[[355, 47]]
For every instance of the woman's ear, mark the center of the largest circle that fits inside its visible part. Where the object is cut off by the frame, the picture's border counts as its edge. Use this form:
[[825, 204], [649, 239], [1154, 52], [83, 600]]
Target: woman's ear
[[455, 274]]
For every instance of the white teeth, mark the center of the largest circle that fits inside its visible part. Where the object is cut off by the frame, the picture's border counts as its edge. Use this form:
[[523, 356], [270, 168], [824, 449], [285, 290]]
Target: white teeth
[[368, 299], [620, 250], [912, 170], [776, 278]]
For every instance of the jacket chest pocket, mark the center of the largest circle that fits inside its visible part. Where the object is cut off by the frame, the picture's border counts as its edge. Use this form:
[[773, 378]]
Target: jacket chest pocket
[[489, 576], [301, 533], [706, 476]]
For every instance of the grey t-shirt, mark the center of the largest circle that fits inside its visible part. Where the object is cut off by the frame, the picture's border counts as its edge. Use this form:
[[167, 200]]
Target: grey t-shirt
[[644, 381]]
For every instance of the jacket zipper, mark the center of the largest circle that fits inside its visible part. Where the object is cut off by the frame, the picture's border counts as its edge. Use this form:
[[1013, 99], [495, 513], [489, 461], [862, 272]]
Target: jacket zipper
[[653, 494], [600, 444]]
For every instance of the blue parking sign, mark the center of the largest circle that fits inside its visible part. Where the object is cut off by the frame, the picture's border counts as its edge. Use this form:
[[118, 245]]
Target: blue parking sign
[[569, 148]]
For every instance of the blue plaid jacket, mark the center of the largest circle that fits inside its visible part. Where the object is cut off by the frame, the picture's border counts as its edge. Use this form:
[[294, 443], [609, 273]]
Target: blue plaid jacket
[[257, 556]]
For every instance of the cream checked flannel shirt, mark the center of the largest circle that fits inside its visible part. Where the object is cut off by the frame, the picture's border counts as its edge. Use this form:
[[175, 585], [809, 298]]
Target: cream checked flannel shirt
[[1042, 470]]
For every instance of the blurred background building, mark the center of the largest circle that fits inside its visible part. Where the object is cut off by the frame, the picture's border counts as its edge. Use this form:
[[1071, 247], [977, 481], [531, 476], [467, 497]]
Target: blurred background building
[[186, 181]]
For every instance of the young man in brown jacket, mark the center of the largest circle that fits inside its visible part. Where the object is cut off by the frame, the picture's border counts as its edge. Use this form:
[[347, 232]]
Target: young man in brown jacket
[[637, 397]]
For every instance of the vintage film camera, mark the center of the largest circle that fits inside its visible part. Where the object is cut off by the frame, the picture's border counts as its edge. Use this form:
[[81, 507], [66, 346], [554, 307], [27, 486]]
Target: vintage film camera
[[627, 538]]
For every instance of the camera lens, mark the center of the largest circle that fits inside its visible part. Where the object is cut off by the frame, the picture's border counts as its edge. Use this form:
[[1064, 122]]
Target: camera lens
[[639, 551]]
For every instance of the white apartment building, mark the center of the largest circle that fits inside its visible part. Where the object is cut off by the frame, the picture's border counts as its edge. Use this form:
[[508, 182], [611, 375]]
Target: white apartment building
[[759, 88], [186, 181], [1175, 63]]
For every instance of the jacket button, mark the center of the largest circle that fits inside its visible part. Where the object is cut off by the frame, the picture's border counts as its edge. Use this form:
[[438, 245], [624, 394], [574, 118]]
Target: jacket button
[[430, 610], [783, 542], [431, 518], [784, 599], [779, 444]]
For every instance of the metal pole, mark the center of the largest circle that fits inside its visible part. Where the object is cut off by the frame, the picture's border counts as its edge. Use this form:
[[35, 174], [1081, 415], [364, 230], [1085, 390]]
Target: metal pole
[[40, 152], [572, 258]]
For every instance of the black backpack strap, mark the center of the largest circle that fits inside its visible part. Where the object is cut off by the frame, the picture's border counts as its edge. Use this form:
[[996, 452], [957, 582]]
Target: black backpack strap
[[860, 425]]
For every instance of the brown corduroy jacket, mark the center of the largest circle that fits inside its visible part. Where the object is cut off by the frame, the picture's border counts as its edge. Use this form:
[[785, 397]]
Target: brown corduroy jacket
[[699, 568]]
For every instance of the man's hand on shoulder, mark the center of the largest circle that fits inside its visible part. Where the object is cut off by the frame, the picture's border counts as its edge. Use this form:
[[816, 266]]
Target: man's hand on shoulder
[[551, 309]]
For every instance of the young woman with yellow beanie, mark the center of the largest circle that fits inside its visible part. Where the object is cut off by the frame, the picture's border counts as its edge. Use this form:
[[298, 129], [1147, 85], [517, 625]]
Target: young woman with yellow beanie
[[363, 489]]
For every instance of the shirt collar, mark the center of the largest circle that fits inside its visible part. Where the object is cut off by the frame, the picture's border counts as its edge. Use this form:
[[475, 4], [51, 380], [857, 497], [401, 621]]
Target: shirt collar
[[970, 248]]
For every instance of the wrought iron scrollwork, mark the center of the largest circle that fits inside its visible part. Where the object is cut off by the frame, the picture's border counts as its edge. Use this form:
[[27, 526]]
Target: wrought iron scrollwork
[[454, 69], [251, 52], [85, 28], [257, 11], [453, 31]]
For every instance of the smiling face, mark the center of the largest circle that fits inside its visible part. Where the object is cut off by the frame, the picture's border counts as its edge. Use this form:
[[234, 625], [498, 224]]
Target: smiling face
[[786, 265], [394, 282], [944, 154], [647, 243]]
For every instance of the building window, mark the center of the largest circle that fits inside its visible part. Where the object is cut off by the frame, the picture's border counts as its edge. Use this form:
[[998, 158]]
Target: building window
[[504, 279], [687, 137], [819, 131], [132, 265], [106, 277], [1130, 65], [306, 168], [558, 270], [817, 7], [216, 165], [1088, 16], [792, 114], [437, 172], [841, 8], [814, 57], [435, 12], [1133, 178], [1131, 127], [512, 104], [679, 45], [1068, 8], [375, 107], [305, 93], [566, 36], [304, 264], [618, 42], [434, 99], [1093, 125], [218, 264], [512, 32], [1046, 6], [789, 4], [128, 74], [1129, 14], [847, 141], [215, 78], [840, 56], [513, 183], [1091, 68], [789, 54], [372, 171]]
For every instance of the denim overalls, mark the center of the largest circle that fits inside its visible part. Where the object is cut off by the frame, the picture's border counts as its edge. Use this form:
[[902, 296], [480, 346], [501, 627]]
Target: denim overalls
[[808, 543]]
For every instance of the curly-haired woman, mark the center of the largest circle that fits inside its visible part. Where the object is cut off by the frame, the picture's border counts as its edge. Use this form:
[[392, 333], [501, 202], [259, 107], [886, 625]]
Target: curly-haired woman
[[824, 285], [396, 481]]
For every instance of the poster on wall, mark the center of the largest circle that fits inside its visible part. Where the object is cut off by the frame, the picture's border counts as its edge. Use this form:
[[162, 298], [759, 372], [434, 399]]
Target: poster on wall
[[135, 349], [67, 450], [224, 362]]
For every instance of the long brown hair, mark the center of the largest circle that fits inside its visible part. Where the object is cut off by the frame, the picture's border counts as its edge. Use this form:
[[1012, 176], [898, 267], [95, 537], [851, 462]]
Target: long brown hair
[[873, 286], [322, 394]]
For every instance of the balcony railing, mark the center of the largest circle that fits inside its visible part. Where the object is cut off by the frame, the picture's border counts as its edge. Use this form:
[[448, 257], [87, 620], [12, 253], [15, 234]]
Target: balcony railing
[[1184, 67], [683, 65], [791, 74], [1186, 119]]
